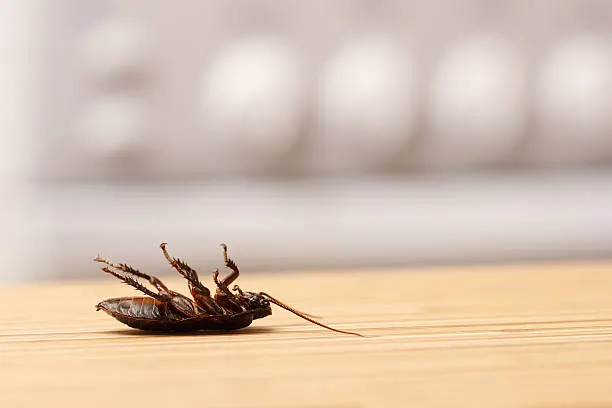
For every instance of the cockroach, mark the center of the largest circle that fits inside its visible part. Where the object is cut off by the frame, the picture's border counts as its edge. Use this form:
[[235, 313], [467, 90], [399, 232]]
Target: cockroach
[[168, 311]]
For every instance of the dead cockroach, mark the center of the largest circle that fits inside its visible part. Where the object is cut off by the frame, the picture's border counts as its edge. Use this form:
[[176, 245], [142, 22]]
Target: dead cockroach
[[166, 310]]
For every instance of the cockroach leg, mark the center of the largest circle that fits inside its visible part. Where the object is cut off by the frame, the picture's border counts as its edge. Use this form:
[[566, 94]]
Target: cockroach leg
[[216, 277], [162, 296], [200, 293], [225, 282], [185, 270], [224, 297], [219, 284], [159, 285]]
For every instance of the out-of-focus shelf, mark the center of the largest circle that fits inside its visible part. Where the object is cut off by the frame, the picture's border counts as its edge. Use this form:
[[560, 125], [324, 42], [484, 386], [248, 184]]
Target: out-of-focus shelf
[[522, 336], [366, 222]]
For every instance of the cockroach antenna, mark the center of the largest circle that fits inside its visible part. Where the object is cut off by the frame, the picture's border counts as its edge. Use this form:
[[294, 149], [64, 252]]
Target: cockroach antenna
[[303, 315]]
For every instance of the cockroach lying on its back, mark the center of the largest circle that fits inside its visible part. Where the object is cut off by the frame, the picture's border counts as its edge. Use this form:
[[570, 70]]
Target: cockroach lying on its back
[[167, 310]]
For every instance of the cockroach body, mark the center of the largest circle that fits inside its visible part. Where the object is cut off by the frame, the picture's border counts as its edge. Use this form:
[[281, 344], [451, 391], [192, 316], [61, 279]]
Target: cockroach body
[[169, 311], [149, 314]]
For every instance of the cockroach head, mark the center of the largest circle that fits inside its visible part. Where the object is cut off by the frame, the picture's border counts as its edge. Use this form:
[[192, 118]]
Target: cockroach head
[[256, 302]]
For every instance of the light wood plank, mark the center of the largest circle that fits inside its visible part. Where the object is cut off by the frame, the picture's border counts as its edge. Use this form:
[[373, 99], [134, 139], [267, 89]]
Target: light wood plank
[[494, 336]]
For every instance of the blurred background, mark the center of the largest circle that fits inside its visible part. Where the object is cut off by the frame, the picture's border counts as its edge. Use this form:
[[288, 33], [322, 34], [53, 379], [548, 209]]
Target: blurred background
[[305, 135]]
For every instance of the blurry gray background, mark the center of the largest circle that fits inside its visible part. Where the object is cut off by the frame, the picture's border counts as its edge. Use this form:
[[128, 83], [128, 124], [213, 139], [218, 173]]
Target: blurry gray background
[[304, 134]]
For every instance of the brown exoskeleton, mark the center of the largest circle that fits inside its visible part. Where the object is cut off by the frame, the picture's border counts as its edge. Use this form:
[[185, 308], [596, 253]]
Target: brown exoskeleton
[[166, 310]]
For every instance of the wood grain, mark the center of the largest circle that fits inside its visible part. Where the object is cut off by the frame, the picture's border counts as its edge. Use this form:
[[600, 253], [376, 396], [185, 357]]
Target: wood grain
[[502, 336]]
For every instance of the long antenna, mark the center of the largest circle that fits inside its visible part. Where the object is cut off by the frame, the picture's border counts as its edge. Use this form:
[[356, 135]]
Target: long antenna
[[303, 316]]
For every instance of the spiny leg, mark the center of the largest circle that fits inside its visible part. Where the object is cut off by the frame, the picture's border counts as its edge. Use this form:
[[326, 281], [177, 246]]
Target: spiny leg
[[185, 270], [162, 296], [225, 282], [159, 285], [224, 297], [220, 286], [200, 293]]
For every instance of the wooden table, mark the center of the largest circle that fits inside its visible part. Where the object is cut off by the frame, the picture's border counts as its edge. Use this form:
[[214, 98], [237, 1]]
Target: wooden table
[[512, 336]]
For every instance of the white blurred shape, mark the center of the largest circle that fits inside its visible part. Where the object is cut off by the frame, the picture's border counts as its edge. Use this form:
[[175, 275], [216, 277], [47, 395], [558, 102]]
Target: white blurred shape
[[476, 106], [112, 124], [366, 104], [251, 102], [114, 47], [574, 101], [22, 26]]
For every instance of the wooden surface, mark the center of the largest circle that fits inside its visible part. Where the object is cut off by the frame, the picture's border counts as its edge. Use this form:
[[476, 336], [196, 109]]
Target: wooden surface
[[521, 336]]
